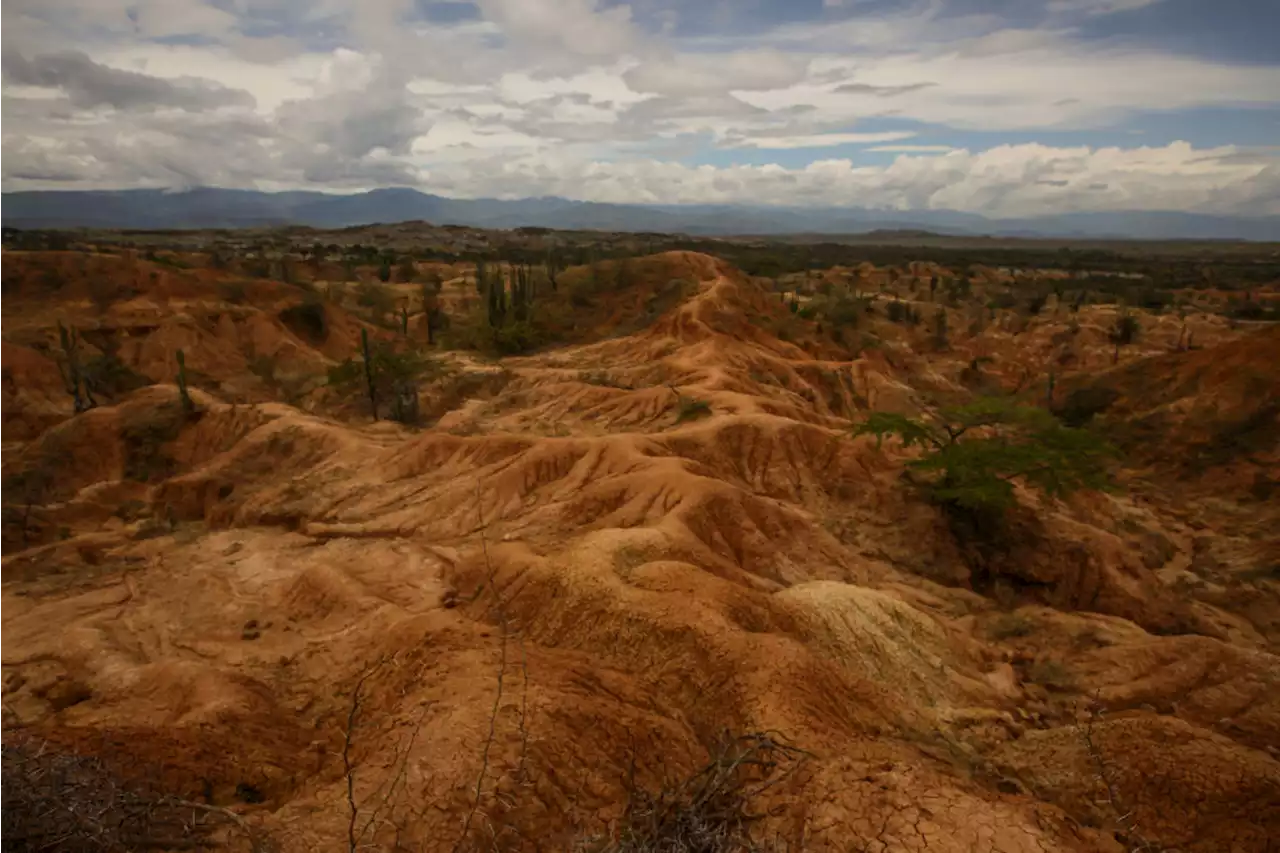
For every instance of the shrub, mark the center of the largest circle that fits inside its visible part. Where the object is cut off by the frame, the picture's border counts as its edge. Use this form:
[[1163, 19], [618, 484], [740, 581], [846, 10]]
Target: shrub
[[144, 436], [307, 320], [1083, 404], [691, 408], [378, 299], [232, 291], [1009, 625], [1052, 674], [714, 810], [58, 800]]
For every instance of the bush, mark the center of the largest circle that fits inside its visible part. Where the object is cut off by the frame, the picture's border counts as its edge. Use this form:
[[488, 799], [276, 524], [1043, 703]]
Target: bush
[[107, 375], [1251, 310], [1083, 404], [55, 799], [232, 291], [1010, 625], [378, 299], [691, 408], [307, 320], [144, 436], [714, 810], [1052, 674]]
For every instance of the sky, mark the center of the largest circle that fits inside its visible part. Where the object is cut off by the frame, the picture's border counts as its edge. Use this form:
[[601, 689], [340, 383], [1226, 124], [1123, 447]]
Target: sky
[[997, 107]]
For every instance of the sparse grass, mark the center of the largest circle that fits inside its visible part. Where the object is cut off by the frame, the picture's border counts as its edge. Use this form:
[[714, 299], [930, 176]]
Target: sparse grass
[[1051, 673], [1264, 572], [1010, 625], [601, 378], [264, 367], [144, 437], [691, 408]]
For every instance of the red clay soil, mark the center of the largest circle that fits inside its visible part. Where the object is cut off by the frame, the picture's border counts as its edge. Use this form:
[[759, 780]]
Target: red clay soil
[[573, 583]]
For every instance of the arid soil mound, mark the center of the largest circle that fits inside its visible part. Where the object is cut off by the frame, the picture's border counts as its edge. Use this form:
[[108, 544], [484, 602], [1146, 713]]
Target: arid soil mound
[[502, 628]]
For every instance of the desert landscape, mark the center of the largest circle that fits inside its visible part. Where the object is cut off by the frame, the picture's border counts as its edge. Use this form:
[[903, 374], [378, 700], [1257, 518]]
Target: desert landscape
[[442, 539]]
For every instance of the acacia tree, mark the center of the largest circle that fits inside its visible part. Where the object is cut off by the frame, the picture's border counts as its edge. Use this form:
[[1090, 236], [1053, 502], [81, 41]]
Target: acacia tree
[[974, 453]]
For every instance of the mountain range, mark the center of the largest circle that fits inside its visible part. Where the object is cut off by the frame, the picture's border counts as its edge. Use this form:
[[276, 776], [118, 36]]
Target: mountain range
[[227, 208]]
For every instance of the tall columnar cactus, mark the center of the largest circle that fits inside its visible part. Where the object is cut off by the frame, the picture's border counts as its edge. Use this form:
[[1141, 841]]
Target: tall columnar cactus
[[496, 290], [431, 310], [404, 320], [554, 267], [72, 377], [187, 406], [367, 353], [1053, 383], [522, 292]]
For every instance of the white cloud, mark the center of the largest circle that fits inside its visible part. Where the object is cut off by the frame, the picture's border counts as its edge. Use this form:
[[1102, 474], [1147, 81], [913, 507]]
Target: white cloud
[[577, 27], [912, 149], [820, 140], [1018, 180], [692, 74], [576, 98]]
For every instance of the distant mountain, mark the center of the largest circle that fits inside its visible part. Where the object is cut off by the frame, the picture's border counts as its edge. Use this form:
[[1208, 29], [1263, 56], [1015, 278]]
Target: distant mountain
[[221, 208]]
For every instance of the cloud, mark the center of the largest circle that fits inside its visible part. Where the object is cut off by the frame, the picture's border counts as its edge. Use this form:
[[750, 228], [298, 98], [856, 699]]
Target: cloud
[[577, 27], [1097, 7], [881, 91], [163, 18], [821, 140], [695, 75], [89, 84], [911, 149], [612, 101], [1018, 180]]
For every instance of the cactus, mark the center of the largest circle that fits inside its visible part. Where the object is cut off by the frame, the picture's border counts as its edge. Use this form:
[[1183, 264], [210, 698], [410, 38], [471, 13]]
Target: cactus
[[404, 320], [522, 292], [1053, 382], [496, 290], [72, 378], [368, 372], [187, 406], [554, 268]]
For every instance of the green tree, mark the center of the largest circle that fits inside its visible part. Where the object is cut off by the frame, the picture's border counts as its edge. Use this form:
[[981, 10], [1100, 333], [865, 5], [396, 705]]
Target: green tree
[[1124, 332], [384, 373], [974, 453]]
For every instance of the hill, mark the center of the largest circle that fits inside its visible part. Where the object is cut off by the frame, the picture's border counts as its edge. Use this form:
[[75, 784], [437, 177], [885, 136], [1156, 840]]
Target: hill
[[223, 208]]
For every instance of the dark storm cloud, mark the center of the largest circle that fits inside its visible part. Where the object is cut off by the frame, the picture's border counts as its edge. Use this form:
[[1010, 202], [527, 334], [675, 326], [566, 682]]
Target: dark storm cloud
[[90, 84]]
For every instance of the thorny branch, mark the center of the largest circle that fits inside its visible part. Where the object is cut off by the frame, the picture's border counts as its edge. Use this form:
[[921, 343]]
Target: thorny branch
[[58, 800], [712, 810], [1123, 817], [505, 632]]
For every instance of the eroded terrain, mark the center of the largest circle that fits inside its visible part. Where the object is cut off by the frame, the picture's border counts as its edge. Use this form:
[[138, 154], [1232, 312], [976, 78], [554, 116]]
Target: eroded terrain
[[595, 559]]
